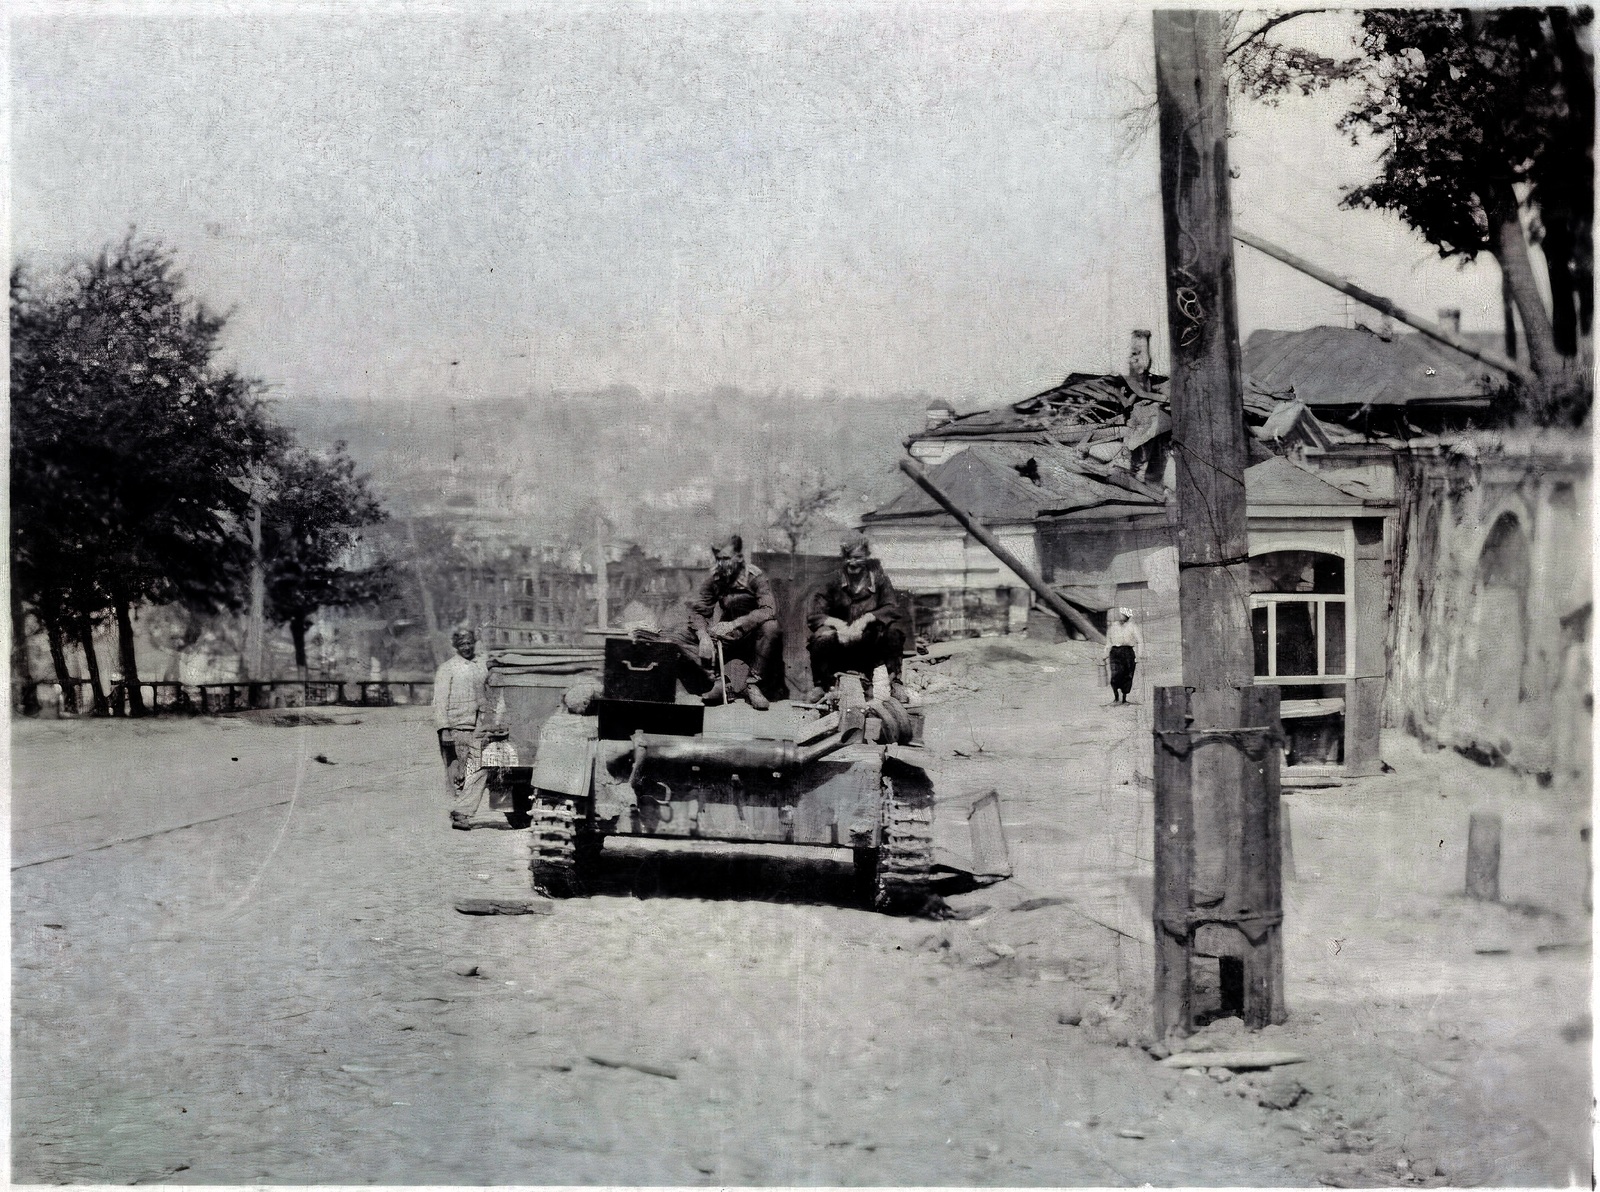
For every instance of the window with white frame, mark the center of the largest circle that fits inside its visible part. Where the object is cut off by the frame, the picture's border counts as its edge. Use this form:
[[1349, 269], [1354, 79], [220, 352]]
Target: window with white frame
[[1299, 615]]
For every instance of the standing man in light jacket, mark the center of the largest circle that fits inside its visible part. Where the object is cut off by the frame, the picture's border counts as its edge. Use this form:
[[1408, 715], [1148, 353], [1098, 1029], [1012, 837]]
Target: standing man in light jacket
[[462, 712]]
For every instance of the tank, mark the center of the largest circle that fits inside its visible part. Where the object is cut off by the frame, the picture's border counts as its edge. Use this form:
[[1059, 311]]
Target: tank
[[841, 775]]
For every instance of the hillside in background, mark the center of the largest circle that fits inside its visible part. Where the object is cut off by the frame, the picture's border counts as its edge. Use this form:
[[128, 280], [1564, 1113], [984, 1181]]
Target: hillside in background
[[663, 471]]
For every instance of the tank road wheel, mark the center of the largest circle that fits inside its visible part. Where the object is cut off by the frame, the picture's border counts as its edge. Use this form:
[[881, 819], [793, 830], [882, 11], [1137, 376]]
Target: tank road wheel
[[564, 848], [905, 855]]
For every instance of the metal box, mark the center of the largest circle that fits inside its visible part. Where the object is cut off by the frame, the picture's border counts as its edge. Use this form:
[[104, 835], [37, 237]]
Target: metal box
[[641, 671]]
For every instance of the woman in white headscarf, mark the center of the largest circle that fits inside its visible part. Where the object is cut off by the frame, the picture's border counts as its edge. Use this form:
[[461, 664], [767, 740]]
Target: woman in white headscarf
[[1123, 643]]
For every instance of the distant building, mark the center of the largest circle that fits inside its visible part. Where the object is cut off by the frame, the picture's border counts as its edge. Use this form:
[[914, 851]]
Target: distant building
[[552, 599]]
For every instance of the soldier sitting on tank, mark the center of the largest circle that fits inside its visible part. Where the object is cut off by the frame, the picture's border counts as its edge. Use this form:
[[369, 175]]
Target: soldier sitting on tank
[[855, 624], [734, 607]]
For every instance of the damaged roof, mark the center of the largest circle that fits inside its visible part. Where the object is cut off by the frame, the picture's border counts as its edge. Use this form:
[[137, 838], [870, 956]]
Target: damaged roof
[[1280, 481], [1338, 366], [1080, 405], [1009, 482]]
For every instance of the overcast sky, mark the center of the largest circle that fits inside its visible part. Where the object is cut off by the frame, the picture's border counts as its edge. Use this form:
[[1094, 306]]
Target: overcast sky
[[944, 197]]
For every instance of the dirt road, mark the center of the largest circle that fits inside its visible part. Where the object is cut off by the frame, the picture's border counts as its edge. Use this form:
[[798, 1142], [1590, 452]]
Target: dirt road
[[236, 958]]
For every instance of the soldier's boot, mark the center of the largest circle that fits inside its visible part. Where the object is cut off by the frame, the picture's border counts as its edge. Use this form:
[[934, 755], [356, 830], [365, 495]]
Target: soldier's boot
[[757, 701], [717, 695]]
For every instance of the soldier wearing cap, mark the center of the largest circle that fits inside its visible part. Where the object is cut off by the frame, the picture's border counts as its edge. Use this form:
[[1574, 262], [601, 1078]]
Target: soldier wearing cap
[[462, 712], [734, 607], [855, 623]]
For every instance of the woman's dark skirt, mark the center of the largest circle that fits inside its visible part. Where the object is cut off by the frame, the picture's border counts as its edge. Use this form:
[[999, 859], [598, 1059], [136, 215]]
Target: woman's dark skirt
[[1122, 664]]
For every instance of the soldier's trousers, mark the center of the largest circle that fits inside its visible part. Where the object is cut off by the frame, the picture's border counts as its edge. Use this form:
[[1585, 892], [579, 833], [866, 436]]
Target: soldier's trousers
[[759, 650], [881, 645]]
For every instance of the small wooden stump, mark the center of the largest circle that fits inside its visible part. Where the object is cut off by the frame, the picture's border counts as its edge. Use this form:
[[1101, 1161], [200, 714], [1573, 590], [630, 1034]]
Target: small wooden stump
[[505, 906], [1483, 856]]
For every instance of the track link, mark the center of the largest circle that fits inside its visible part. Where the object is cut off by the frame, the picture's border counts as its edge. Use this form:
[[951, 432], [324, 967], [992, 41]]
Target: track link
[[563, 848], [905, 853]]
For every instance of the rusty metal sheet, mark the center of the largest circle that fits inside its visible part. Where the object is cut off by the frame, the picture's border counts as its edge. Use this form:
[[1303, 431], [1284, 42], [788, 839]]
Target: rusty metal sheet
[[566, 754]]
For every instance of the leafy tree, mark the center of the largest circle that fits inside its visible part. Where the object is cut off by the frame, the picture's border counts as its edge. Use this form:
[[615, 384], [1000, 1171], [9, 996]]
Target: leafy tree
[[311, 527], [1485, 117], [54, 568], [131, 441]]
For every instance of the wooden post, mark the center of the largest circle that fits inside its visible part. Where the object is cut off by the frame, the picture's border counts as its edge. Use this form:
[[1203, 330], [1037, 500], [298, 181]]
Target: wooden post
[[1208, 435], [1383, 306], [1290, 873], [981, 532], [255, 632], [1483, 856], [1174, 833], [1231, 889], [602, 578]]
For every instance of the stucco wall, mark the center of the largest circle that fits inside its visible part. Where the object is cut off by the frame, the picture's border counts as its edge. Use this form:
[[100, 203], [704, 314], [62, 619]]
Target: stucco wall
[[1488, 638]]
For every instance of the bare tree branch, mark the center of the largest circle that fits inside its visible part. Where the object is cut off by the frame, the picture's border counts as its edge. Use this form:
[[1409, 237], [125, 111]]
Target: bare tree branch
[[1270, 23]]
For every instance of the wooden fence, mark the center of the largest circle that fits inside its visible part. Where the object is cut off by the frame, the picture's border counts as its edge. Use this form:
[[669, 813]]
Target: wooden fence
[[211, 699]]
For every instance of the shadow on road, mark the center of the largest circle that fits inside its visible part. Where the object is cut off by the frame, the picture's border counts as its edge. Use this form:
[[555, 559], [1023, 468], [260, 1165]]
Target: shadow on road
[[736, 877], [724, 877]]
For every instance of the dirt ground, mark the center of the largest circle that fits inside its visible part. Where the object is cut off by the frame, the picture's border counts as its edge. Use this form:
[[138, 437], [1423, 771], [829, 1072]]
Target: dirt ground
[[236, 959]]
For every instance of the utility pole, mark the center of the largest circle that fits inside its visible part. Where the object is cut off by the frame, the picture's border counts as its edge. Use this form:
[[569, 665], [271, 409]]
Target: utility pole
[[255, 632], [602, 589], [430, 620], [1217, 737]]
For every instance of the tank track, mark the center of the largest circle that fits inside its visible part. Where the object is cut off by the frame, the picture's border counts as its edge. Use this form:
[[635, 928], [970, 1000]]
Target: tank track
[[905, 852], [563, 849]]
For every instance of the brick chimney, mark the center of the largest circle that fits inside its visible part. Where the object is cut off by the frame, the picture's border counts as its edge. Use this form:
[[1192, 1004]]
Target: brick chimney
[[1139, 359], [1450, 319]]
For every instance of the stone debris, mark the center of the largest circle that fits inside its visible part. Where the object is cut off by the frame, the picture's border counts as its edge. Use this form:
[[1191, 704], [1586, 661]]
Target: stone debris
[[1282, 1091]]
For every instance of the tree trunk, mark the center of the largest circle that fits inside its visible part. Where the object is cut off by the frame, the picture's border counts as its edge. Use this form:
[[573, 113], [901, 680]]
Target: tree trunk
[[297, 631], [1577, 79], [27, 696], [86, 644], [58, 660], [1556, 248], [1511, 251], [1508, 311], [127, 657]]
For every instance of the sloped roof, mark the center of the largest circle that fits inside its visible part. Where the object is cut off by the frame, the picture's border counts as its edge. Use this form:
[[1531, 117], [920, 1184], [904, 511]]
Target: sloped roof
[[1280, 481], [1337, 366], [995, 482]]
